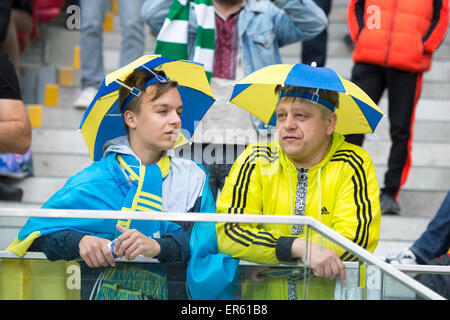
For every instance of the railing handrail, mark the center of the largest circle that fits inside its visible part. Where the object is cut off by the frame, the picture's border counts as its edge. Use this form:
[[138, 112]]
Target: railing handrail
[[420, 268], [234, 218]]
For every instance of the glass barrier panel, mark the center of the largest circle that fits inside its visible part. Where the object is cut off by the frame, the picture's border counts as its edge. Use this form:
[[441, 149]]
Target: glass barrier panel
[[211, 273], [32, 279]]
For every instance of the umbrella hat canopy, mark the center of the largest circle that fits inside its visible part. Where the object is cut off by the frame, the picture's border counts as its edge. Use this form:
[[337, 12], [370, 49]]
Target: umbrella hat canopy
[[102, 120], [357, 113]]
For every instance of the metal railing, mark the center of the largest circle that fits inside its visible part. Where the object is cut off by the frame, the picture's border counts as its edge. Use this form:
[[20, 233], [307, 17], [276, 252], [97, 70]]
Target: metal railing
[[315, 225]]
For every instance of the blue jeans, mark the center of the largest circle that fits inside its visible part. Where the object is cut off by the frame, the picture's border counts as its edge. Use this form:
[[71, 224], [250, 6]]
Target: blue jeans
[[435, 241], [91, 37]]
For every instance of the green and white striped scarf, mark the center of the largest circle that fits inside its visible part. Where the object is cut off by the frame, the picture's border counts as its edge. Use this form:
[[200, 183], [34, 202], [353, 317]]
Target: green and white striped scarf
[[173, 37]]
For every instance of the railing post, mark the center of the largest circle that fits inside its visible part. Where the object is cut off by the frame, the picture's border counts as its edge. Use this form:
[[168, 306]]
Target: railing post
[[374, 283], [351, 289]]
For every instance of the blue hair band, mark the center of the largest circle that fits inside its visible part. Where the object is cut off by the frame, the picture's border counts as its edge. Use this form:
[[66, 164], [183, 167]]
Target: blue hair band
[[313, 97], [135, 92]]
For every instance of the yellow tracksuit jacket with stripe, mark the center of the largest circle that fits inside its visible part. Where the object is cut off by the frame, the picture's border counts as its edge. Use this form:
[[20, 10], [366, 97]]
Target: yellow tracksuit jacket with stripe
[[342, 192]]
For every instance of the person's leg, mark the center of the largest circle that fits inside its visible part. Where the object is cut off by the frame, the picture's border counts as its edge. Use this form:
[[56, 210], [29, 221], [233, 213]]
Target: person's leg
[[315, 50], [435, 240], [91, 42], [404, 91], [372, 80], [133, 37]]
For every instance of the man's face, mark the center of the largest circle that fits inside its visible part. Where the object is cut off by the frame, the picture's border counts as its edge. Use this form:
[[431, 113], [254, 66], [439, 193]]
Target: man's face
[[157, 124], [302, 132]]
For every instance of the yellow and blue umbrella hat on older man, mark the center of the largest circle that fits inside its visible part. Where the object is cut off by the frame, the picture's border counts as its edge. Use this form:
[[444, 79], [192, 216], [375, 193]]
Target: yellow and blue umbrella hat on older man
[[102, 120], [357, 113]]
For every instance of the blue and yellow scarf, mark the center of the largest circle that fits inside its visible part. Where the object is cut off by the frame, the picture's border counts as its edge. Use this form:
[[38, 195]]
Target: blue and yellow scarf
[[127, 281]]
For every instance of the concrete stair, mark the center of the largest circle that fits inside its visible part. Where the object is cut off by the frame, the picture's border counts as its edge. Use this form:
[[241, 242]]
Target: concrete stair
[[59, 150]]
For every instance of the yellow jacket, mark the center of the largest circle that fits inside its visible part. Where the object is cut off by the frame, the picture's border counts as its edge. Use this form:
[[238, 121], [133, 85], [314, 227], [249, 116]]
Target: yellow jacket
[[342, 193]]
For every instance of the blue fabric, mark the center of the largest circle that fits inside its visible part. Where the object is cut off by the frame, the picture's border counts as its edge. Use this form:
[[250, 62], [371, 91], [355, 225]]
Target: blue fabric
[[373, 116], [210, 275], [302, 75], [195, 105]]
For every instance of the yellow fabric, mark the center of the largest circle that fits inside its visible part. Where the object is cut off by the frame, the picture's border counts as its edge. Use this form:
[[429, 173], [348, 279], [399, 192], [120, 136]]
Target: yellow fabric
[[39, 280], [264, 181], [20, 247]]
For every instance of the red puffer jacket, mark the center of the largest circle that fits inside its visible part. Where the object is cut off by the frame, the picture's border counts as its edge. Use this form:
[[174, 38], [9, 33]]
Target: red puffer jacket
[[397, 33]]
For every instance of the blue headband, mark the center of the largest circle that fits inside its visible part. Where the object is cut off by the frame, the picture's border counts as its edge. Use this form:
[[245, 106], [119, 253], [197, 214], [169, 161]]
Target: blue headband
[[313, 97], [135, 92]]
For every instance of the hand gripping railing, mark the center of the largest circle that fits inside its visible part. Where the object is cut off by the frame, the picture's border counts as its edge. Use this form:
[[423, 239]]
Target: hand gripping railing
[[234, 218]]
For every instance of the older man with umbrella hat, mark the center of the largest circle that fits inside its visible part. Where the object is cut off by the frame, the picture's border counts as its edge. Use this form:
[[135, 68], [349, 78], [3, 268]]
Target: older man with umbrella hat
[[308, 170]]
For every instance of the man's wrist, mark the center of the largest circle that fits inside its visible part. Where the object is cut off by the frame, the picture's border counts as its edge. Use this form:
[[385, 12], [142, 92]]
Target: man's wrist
[[298, 249], [283, 250]]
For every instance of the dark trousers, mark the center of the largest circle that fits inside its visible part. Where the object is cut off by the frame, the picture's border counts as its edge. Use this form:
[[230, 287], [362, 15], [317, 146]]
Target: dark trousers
[[315, 49], [403, 94]]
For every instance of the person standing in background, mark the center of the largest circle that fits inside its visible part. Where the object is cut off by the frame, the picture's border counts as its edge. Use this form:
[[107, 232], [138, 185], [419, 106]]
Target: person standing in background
[[91, 43], [395, 41]]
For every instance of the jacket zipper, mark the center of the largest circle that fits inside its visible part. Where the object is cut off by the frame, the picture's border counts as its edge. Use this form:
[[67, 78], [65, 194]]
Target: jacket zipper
[[390, 33]]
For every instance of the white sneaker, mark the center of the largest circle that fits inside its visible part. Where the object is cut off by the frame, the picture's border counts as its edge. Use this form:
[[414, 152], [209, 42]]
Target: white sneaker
[[85, 98], [405, 256]]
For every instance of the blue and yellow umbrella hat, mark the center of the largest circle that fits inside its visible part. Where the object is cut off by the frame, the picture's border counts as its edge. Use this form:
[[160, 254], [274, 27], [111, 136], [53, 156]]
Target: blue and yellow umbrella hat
[[102, 120], [357, 113]]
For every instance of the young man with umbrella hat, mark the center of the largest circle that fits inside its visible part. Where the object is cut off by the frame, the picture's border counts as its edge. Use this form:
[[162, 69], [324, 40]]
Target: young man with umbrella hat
[[135, 173]]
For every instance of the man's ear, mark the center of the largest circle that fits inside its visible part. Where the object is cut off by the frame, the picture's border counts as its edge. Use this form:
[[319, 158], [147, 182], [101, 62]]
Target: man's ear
[[130, 119], [331, 123]]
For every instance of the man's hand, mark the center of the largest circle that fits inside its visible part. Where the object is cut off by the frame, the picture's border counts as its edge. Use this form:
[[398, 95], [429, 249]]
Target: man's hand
[[323, 261], [132, 243], [95, 252]]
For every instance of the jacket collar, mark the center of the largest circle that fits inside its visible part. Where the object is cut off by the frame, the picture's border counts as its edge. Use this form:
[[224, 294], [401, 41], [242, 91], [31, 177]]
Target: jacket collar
[[121, 145], [251, 8]]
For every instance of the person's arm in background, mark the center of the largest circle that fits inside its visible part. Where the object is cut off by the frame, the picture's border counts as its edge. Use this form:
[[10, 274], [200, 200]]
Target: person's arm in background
[[15, 127], [438, 28], [154, 12], [298, 20], [355, 20]]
